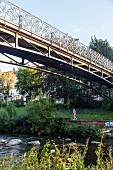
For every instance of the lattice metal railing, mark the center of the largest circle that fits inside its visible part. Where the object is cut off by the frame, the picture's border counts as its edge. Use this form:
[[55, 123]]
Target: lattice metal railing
[[27, 21]]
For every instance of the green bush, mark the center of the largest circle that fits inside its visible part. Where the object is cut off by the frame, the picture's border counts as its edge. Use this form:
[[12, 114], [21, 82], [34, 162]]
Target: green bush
[[18, 102], [21, 124], [73, 129], [55, 126], [107, 104], [5, 123], [2, 104], [38, 113], [11, 109]]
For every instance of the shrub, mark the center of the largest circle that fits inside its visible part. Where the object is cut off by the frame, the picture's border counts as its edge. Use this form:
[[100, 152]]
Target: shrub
[[2, 103], [38, 112], [55, 126], [18, 102], [4, 121], [22, 124], [11, 110], [72, 129], [107, 104]]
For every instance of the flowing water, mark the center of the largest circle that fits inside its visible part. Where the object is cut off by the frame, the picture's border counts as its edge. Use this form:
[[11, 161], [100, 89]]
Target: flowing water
[[22, 148]]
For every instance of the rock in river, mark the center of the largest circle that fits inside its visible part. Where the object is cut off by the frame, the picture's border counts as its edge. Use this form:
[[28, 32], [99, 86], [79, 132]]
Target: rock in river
[[33, 143], [14, 142], [95, 142], [2, 141]]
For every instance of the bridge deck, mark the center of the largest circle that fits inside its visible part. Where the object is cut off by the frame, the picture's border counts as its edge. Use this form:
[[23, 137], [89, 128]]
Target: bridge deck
[[25, 36]]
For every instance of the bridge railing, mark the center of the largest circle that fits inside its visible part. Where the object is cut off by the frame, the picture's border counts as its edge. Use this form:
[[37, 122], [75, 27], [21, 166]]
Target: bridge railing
[[27, 21]]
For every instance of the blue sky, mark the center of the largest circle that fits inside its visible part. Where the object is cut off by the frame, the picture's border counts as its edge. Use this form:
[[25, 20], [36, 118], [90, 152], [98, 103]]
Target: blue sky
[[79, 18]]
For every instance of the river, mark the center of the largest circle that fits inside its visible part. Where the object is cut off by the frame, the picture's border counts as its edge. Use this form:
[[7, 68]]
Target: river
[[22, 148]]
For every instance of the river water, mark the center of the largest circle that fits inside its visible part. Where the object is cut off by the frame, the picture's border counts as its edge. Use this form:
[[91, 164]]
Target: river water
[[22, 148]]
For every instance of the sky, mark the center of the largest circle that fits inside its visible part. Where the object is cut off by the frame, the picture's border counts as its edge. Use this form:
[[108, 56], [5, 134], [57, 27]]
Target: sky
[[81, 19]]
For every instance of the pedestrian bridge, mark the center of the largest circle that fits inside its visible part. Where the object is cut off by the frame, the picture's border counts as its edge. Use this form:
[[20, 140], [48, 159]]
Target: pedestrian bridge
[[29, 38]]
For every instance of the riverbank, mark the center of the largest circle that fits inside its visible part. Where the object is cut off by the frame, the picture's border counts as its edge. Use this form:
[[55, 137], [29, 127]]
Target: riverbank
[[54, 151], [33, 120]]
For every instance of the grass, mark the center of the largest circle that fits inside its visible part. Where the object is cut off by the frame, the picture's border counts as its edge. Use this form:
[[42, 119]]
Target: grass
[[82, 114], [20, 110], [85, 114], [94, 114]]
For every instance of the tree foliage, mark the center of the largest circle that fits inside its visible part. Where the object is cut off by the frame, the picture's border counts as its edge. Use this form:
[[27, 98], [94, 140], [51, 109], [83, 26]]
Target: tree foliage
[[38, 112], [29, 81], [8, 81], [58, 87], [102, 46]]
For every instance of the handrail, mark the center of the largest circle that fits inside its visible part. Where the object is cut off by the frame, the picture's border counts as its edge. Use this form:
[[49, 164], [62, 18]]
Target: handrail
[[27, 21]]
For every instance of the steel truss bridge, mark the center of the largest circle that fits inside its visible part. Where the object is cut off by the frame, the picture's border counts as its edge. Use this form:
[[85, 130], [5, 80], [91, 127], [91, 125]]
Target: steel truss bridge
[[30, 39]]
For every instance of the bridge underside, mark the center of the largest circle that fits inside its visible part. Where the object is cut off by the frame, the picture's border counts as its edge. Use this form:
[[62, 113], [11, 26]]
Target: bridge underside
[[21, 44], [49, 62]]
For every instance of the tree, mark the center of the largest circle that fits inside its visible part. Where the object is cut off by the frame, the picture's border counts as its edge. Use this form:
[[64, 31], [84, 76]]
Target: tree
[[29, 81], [59, 87], [102, 46], [8, 81]]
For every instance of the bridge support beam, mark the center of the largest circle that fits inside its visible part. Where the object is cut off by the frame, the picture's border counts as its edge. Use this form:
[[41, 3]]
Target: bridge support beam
[[72, 62], [88, 67], [16, 40], [102, 73], [49, 50]]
